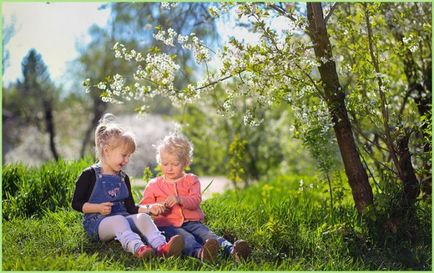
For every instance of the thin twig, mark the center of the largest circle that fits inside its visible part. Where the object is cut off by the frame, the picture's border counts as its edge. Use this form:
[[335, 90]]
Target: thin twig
[[204, 190], [283, 12], [214, 82], [385, 112]]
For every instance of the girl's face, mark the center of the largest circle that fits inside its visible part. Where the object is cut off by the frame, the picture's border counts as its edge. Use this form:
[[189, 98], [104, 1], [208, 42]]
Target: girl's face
[[115, 158], [171, 166]]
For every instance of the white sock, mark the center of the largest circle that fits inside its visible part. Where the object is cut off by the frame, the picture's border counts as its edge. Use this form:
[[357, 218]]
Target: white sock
[[129, 240]]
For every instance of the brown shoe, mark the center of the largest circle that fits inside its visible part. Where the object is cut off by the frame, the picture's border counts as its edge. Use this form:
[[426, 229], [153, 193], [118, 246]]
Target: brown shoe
[[241, 250], [209, 250]]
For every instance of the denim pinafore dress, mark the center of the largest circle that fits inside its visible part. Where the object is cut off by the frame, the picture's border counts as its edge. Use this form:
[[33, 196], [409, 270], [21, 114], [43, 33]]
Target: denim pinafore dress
[[108, 188]]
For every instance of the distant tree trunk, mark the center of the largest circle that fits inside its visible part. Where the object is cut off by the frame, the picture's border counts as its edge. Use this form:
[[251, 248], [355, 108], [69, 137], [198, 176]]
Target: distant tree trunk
[[252, 165], [39, 95], [6, 117], [99, 107], [335, 98], [49, 124]]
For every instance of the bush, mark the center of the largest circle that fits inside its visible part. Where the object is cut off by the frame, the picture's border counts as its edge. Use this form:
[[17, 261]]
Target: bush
[[29, 192], [12, 178]]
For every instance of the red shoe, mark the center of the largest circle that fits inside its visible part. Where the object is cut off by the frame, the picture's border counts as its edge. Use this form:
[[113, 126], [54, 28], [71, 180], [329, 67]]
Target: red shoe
[[144, 252], [172, 248], [208, 253]]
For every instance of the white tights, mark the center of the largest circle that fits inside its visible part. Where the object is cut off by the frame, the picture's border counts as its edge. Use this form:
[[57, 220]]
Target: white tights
[[127, 231]]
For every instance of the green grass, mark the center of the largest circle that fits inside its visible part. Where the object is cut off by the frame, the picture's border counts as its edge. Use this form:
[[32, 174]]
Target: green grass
[[289, 230], [30, 191]]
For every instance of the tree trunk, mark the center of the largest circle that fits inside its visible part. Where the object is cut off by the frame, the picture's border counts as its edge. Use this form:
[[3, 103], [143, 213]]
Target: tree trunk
[[49, 123], [335, 98], [99, 108], [409, 180]]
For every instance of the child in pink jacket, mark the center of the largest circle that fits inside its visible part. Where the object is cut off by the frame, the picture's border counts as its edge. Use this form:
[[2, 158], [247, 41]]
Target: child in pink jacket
[[181, 195]]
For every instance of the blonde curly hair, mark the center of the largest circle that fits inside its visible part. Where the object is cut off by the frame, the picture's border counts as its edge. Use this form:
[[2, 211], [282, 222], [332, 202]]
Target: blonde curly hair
[[178, 145]]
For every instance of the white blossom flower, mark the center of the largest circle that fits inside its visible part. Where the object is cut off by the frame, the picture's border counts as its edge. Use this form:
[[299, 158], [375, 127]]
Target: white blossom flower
[[168, 5], [101, 85], [414, 48]]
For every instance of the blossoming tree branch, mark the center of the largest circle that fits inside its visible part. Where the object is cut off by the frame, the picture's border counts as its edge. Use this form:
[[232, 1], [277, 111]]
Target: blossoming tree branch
[[298, 66]]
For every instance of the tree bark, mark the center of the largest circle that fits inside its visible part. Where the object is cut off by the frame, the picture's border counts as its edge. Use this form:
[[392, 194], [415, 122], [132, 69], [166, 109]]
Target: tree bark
[[335, 98], [49, 123], [408, 176], [99, 107]]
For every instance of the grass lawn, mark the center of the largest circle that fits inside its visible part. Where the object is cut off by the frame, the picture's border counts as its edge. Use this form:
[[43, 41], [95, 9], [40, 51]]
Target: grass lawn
[[288, 228]]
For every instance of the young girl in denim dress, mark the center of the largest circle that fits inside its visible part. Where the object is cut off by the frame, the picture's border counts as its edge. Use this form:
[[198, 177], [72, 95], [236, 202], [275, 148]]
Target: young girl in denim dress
[[103, 194], [180, 194]]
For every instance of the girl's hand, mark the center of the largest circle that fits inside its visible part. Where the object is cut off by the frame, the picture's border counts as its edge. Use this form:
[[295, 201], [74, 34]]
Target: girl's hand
[[105, 208], [157, 209], [171, 201]]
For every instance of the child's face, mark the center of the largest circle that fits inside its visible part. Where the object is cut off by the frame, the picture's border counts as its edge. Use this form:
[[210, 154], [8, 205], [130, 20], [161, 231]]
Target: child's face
[[171, 166], [116, 158]]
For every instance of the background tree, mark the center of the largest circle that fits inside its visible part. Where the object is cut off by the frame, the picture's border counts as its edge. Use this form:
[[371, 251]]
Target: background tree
[[388, 126], [94, 63], [414, 45], [40, 100], [266, 148], [132, 24], [7, 33]]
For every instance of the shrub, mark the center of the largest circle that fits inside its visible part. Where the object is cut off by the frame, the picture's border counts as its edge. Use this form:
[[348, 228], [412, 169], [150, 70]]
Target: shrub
[[28, 192], [12, 177]]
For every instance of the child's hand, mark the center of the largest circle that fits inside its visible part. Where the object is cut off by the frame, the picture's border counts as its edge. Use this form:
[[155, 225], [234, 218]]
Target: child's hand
[[105, 208], [157, 209], [171, 201]]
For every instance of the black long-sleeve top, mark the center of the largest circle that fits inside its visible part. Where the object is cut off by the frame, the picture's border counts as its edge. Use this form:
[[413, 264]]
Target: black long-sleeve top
[[84, 186]]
